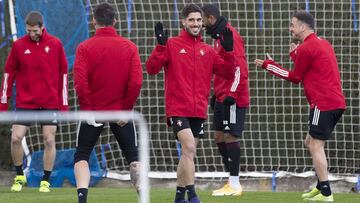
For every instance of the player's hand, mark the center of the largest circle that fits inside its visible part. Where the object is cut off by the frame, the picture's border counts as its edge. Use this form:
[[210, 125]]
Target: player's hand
[[229, 100], [122, 123], [260, 62], [91, 121], [293, 46], [212, 102], [161, 36], [227, 41]]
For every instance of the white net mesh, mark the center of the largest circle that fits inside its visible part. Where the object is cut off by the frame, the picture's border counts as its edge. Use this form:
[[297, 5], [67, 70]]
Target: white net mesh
[[277, 118]]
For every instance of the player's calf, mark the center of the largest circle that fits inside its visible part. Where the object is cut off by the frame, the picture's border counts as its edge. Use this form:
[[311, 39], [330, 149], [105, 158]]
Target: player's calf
[[135, 174]]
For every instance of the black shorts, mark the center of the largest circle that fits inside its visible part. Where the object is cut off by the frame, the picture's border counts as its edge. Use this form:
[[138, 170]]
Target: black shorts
[[54, 121], [322, 123], [195, 124], [229, 119]]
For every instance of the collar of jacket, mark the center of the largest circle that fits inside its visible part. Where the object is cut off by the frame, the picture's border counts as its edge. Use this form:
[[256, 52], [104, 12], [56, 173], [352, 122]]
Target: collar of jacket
[[216, 29], [108, 30], [312, 35], [185, 35], [43, 36]]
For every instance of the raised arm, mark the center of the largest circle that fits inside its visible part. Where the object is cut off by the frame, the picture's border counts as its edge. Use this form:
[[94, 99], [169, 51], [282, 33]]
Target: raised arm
[[302, 63], [159, 56], [224, 65]]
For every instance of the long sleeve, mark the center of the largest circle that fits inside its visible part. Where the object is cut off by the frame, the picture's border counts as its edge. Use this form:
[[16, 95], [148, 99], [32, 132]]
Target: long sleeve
[[81, 82], [224, 64], [157, 59], [63, 80], [11, 66], [302, 62], [235, 91], [135, 81]]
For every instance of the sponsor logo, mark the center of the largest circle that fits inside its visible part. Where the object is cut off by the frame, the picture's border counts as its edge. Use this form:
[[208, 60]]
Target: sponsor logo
[[202, 53], [27, 51], [182, 51]]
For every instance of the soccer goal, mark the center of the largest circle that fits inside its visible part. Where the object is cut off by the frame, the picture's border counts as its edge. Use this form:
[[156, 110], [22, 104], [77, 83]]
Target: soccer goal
[[100, 116], [277, 117]]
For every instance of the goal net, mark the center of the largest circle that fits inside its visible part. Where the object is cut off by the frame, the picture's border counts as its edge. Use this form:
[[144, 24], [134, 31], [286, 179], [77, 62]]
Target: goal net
[[278, 115]]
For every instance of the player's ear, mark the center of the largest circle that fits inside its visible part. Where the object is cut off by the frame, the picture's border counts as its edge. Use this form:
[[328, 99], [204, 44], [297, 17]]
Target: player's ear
[[94, 22], [183, 22], [212, 19]]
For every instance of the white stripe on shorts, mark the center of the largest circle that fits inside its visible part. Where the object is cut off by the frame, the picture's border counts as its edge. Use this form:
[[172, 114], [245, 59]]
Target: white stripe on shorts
[[233, 113], [135, 134], [77, 133], [316, 116]]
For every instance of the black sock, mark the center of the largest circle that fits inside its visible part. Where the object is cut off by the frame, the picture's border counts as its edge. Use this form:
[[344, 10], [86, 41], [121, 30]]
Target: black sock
[[318, 185], [233, 151], [190, 191], [82, 195], [46, 175], [180, 193], [19, 170], [325, 188], [223, 153]]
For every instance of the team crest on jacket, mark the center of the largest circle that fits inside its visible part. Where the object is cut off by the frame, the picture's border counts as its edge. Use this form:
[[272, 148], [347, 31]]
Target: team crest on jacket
[[47, 49], [202, 52], [179, 123]]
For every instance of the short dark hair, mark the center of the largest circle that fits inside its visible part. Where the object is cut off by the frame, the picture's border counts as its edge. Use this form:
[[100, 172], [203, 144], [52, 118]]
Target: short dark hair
[[211, 9], [191, 8], [34, 18], [104, 14], [306, 18]]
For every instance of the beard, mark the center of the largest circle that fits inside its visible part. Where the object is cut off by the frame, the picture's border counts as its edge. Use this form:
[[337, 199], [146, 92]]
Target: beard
[[35, 38], [190, 31]]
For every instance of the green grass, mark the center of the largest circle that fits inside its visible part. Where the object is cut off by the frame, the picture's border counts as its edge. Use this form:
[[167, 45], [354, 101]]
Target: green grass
[[118, 195]]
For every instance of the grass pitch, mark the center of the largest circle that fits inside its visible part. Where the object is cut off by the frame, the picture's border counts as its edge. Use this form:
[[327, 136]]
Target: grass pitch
[[119, 195]]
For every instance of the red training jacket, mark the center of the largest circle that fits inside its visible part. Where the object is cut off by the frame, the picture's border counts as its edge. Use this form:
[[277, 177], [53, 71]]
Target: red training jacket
[[107, 72], [40, 69], [189, 64], [316, 67], [237, 88]]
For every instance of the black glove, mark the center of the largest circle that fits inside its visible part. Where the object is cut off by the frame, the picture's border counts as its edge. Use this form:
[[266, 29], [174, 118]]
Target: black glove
[[161, 36], [227, 40], [228, 101], [212, 102]]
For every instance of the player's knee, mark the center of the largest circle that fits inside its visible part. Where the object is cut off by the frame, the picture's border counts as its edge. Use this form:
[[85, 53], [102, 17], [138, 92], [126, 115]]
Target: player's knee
[[312, 146], [16, 138], [230, 138], [188, 149], [306, 143], [219, 136], [49, 141], [82, 154]]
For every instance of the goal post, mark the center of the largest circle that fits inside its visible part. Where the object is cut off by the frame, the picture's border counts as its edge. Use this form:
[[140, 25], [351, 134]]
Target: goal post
[[99, 116]]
